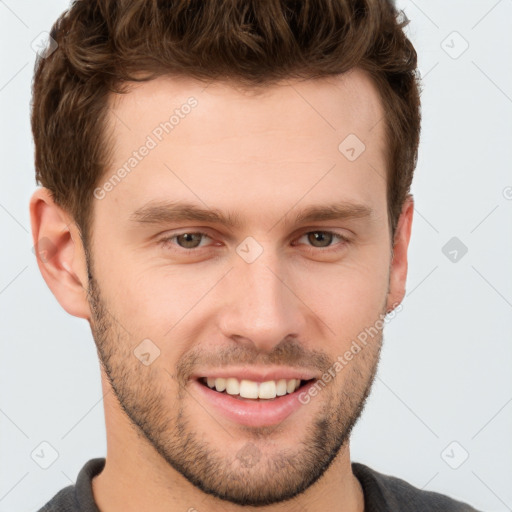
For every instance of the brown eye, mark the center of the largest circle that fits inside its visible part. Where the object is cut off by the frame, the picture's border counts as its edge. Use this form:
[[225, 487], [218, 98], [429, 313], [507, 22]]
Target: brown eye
[[189, 240], [322, 238], [323, 241], [186, 241]]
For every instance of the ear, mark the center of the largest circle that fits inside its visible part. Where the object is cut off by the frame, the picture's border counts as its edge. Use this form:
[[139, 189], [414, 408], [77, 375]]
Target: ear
[[398, 267], [60, 253]]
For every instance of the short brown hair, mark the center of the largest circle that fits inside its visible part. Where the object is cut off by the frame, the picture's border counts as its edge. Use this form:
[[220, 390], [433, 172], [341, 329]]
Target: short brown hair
[[105, 44]]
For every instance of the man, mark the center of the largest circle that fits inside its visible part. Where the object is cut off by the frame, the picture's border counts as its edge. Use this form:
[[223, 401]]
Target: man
[[226, 200]]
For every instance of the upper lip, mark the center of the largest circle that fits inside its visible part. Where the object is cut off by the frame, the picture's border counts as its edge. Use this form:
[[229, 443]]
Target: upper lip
[[256, 374]]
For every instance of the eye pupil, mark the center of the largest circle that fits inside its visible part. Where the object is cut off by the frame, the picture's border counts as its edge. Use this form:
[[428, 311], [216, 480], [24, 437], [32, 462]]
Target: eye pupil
[[319, 236], [189, 240]]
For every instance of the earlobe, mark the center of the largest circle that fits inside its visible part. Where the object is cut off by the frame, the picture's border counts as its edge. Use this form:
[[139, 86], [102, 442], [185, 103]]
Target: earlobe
[[398, 268], [59, 252]]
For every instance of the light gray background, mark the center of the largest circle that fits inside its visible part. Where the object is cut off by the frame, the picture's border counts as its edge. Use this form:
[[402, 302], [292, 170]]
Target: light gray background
[[445, 373]]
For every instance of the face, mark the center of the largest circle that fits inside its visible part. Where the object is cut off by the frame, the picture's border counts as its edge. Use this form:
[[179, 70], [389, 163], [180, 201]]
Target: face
[[285, 266]]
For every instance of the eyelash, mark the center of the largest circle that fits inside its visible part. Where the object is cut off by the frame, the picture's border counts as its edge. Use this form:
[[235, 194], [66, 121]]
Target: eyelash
[[167, 241]]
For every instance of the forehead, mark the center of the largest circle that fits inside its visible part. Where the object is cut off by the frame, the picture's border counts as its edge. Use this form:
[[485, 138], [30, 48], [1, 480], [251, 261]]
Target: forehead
[[269, 145], [330, 105]]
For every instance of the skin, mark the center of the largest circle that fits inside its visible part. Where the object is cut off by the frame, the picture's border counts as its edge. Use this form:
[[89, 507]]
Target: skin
[[264, 156]]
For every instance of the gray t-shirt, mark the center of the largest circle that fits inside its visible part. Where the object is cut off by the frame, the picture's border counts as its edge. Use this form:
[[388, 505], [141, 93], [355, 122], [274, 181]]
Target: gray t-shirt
[[382, 493]]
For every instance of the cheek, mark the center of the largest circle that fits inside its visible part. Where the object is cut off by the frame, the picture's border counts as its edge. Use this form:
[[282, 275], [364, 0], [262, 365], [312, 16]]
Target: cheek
[[347, 297], [358, 281], [160, 303]]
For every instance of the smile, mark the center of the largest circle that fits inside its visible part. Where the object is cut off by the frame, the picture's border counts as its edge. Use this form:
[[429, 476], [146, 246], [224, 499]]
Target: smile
[[253, 390], [252, 403]]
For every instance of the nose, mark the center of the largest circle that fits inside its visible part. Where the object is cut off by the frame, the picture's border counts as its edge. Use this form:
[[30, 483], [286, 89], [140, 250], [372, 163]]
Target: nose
[[260, 306]]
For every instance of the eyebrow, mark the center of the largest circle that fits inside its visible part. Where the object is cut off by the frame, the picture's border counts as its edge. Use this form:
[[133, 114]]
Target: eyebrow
[[177, 211]]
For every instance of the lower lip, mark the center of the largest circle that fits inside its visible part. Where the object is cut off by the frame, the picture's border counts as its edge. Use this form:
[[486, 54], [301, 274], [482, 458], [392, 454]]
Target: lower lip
[[253, 413]]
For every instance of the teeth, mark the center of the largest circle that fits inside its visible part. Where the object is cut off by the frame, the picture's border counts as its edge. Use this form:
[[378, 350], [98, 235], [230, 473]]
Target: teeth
[[290, 386], [219, 384], [281, 387], [232, 386], [267, 389], [250, 389]]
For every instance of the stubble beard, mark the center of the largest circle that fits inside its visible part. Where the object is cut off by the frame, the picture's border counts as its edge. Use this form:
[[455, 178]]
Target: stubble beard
[[256, 471]]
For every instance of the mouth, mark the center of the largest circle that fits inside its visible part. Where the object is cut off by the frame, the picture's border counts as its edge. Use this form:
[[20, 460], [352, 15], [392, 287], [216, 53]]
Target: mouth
[[250, 390], [252, 403], [255, 396]]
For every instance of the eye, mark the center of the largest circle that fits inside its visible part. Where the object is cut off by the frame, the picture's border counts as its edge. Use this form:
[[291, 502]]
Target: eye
[[323, 239], [187, 240], [190, 241]]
